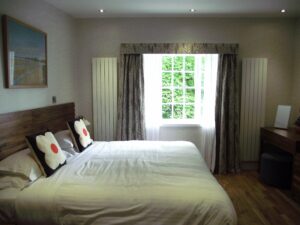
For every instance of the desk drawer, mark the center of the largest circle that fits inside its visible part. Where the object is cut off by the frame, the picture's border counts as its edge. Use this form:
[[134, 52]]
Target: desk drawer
[[279, 141]]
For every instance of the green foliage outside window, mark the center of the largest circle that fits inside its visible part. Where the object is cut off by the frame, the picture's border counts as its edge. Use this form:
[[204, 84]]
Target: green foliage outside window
[[178, 111], [190, 63], [189, 79], [178, 95], [167, 63], [178, 79], [166, 79], [167, 111], [190, 96], [178, 63], [190, 111], [166, 95], [178, 92]]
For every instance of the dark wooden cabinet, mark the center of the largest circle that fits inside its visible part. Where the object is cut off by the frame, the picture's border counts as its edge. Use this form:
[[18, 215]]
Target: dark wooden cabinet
[[289, 141]]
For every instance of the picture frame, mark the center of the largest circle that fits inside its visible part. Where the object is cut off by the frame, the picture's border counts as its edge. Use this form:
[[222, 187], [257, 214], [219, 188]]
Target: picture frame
[[282, 116], [25, 54]]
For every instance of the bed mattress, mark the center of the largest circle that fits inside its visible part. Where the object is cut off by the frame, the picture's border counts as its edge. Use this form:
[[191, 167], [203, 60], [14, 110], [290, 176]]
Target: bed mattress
[[133, 182]]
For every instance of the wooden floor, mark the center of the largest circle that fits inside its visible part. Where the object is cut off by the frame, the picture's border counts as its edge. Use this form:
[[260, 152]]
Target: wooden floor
[[256, 203]]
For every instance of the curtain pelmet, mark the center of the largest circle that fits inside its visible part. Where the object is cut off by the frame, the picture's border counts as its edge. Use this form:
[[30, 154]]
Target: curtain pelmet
[[178, 48]]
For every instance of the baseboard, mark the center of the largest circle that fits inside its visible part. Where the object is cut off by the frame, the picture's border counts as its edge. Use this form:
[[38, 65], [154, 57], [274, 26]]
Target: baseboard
[[249, 165]]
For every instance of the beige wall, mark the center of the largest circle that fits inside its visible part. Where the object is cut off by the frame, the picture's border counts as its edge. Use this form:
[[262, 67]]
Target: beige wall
[[270, 38], [60, 30], [296, 78]]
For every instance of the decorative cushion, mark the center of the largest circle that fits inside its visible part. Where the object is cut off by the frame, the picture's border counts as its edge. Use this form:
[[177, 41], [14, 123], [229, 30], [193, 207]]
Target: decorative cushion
[[80, 134], [47, 152]]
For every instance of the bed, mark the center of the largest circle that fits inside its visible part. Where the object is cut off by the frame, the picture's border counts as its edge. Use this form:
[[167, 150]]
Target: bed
[[128, 182]]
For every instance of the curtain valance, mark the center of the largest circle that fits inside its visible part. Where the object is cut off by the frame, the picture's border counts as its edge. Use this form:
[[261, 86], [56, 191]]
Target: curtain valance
[[178, 48]]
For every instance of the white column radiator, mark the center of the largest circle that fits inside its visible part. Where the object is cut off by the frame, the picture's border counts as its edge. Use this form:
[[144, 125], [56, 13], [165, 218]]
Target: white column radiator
[[254, 78], [104, 98]]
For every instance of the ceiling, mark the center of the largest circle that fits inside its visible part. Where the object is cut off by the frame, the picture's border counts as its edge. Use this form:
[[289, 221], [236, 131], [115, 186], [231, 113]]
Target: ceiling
[[178, 8]]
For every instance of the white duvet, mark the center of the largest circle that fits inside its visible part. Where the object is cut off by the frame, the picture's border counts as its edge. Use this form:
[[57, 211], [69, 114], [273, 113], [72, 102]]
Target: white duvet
[[134, 182]]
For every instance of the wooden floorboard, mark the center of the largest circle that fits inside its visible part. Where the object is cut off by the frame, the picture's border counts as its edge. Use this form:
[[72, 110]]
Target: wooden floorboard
[[256, 203]]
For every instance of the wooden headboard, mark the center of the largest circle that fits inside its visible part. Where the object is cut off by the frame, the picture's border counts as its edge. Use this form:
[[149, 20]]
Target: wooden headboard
[[15, 126]]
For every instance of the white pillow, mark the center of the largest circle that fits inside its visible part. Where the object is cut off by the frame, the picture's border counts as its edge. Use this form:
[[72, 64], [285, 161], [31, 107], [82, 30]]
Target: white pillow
[[69, 155], [13, 181], [21, 163], [71, 151], [64, 139]]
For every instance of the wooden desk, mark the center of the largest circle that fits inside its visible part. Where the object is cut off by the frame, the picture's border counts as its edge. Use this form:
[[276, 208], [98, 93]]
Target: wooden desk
[[289, 141]]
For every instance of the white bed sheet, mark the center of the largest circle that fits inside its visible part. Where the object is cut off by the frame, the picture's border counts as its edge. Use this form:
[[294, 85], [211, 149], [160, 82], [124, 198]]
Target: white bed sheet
[[10, 186], [7, 205], [134, 182]]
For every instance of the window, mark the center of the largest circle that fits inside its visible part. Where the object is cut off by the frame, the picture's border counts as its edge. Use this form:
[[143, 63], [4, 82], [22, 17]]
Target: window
[[183, 83], [178, 87]]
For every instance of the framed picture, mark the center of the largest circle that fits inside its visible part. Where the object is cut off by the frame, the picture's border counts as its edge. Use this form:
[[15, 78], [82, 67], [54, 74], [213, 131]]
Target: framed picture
[[282, 116], [25, 54]]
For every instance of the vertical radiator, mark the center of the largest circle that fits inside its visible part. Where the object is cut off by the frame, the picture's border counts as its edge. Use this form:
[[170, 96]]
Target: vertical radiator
[[254, 78], [104, 98]]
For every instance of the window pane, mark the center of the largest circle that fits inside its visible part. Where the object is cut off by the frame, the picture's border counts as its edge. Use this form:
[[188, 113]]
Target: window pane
[[190, 95], [178, 79], [178, 95], [189, 79], [166, 79], [202, 94], [166, 95], [167, 111], [178, 63], [190, 63], [189, 111], [203, 61], [167, 63], [178, 111]]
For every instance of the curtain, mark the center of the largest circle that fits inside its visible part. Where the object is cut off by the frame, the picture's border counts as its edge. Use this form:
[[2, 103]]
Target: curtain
[[131, 124], [152, 77], [227, 115], [208, 135]]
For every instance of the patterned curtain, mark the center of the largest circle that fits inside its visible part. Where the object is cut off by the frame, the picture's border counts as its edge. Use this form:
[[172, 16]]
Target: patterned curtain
[[178, 48], [131, 124], [227, 115]]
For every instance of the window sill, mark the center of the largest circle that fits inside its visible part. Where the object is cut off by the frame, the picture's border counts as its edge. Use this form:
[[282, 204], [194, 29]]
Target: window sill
[[180, 125]]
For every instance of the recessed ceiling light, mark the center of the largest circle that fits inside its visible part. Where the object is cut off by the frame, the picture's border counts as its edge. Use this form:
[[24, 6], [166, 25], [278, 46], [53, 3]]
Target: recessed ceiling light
[[192, 10], [283, 11], [101, 10]]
